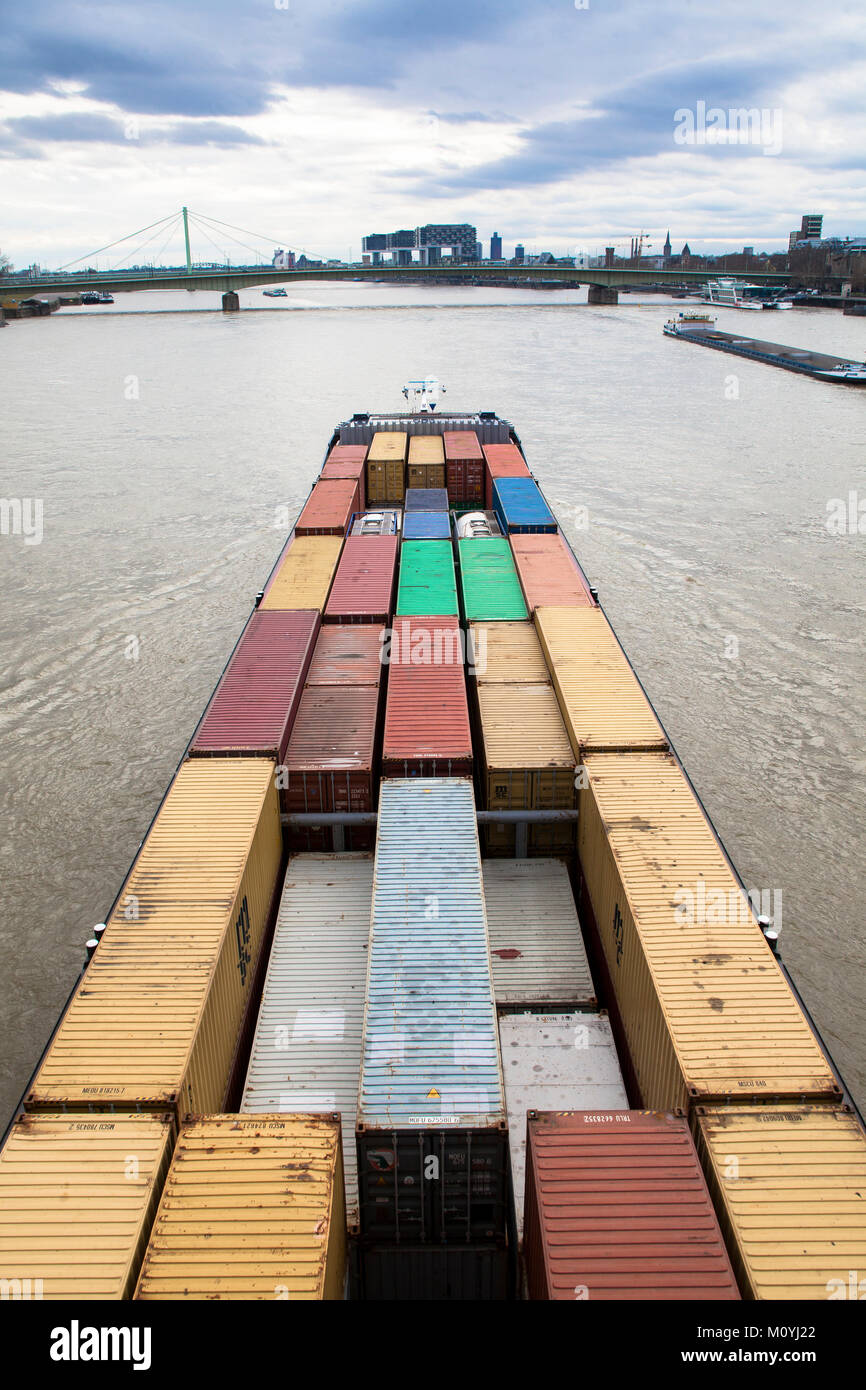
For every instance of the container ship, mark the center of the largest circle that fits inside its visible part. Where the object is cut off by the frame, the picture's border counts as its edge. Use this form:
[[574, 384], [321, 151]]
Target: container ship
[[431, 978], [696, 328]]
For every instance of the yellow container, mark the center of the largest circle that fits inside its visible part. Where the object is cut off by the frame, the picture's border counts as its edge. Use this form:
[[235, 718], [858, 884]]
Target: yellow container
[[253, 1208], [303, 580], [426, 448], [707, 1013], [155, 1020], [507, 652], [387, 446], [427, 475], [603, 705], [789, 1187], [77, 1201], [527, 761], [386, 466]]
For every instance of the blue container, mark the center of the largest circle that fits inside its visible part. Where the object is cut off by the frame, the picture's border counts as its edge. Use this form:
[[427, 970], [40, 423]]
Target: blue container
[[426, 526], [519, 505], [431, 1111], [426, 499]]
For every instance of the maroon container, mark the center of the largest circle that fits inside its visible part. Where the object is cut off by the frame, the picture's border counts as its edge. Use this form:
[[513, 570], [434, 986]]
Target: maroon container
[[330, 763], [254, 706], [426, 713], [329, 508], [347, 461], [347, 654], [464, 466], [501, 461], [617, 1208], [363, 587]]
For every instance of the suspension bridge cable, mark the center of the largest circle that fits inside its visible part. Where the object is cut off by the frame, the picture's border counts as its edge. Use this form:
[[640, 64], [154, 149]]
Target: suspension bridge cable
[[274, 240], [200, 227], [141, 245], [100, 249], [173, 230], [198, 224]]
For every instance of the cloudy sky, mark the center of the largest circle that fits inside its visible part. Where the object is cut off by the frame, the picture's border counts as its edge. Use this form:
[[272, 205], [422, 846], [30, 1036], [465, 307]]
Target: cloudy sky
[[561, 123]]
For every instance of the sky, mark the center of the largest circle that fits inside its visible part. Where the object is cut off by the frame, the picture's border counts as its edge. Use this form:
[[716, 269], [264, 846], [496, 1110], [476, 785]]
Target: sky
[[566, 125]]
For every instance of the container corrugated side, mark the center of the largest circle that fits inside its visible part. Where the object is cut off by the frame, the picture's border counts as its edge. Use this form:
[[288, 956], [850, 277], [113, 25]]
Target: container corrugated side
[[427, 584], [347, 654], [488, 581], [526, 761], [426, 499], [329, 508], [342, 465], [536, 945], [602, 702], [444, 1273], [548, 573], [509, 652], [502, 461], [431, 1096], [706, 1011], [386, 466], [254, 706], [252, 1208], [427, 732], [555, 1062], [303, 579], [154, 1021], [426, 475], [464, 466], [75, 1214], [427, 526], [520, 506], [363, 587], [617, 1208], [306, 1054], [789, 1185], [330, 763]]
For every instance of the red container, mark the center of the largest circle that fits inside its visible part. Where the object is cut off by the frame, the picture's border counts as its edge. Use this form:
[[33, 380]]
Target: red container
[[329, 508], [549, 575], [330, 762], [426, 714], [347, 654], [464, 466], [254, 706], [363, 587], [501, 461], [347, 461], [617, 1208]]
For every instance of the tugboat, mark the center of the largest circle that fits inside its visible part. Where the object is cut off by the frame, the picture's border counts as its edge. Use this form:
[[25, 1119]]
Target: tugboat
[[278, 293]]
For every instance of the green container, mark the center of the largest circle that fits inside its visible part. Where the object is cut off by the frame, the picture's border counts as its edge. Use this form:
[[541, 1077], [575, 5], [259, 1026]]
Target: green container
[[491, 588], [428, 587]]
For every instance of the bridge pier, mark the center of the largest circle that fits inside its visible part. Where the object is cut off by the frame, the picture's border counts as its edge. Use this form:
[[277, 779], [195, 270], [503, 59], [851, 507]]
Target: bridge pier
[[603, 294], [231, 302]]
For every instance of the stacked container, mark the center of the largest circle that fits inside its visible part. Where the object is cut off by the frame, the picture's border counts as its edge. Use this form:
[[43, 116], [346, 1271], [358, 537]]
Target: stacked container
[[427, 585], [426, 461], [426, 526], [536, 946], [464, 467], [329, 508], [347, 654], [501, 461], [348, 461], [488, 580], [303, 574], [503, 652], [426, 499], [331, 762], [519, 505], [427, 730], [363, 587], [549, 574], [386, 467], [526, 763]]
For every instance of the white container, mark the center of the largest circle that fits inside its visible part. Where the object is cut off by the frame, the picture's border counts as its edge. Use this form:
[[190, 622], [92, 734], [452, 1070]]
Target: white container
[[306, 1055], [536, 945], [555, 1062]]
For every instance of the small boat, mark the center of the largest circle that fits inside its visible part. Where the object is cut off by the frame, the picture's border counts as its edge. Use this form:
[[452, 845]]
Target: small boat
[[96, 297], [278, 293]]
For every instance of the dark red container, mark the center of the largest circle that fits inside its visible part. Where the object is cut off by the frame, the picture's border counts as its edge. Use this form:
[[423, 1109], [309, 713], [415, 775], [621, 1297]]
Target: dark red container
[[464, 466], [617, 1208], [548, 572], [426, 713], [347, 461], [501, 461], [254, 706], [329, 508], [330, 763], [347, 654], [363, 587]]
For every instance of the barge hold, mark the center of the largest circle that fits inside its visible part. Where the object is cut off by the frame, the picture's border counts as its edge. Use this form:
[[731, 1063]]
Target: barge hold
[[381, 1012], [816, 364]]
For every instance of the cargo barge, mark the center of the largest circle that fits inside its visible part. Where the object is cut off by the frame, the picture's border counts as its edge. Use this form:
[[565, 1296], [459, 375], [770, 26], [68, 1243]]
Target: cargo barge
[[414, 973], [820, 365]]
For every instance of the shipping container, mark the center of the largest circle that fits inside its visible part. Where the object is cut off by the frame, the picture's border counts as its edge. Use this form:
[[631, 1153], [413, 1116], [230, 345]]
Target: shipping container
[[303, 576], [427, 731], [707, 1014], [306, 1055], [254, 706], [431, 1097], [386, 467], [536, 945], [75, 1214], [347, 654], [427, 526], [470, 524], [426, 499], [501, 461], [363, 587], [329, 508], [520, 506], [789, 1185], [509, 652], [464, 466], [426, 461], [341, 465], [252, 1208], [346, 453], [617, 1209], [427, 585], [488, 581], [555, 1062], [548, 572], [154, 1021], [377, 523], [330, 763], [443, 1273], [602, 701], [525, 762]]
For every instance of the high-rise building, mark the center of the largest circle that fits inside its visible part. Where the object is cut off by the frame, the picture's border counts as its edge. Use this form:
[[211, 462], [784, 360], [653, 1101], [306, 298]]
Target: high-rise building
[[519, 252], [810, 225], [479, 251], [496, 247]]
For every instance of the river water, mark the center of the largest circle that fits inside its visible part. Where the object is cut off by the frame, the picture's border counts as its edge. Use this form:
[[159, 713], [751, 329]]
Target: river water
[[163, 437]]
